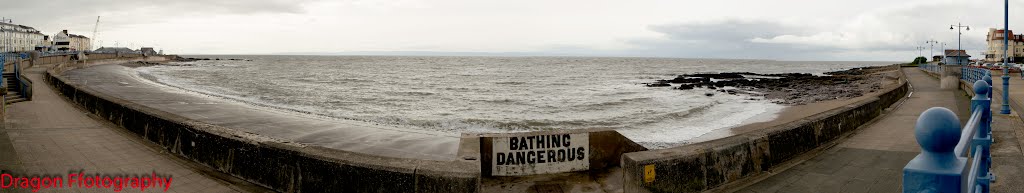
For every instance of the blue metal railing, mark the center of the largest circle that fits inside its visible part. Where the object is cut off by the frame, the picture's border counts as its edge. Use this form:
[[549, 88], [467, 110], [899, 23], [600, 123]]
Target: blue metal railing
[[3, 60], [55, 53], [973, 73], [944, 154], [24, 86], [931, 68]]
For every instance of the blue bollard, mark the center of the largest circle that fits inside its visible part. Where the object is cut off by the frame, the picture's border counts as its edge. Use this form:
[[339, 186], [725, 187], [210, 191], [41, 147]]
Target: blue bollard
[[1006, 92], [937, 168]]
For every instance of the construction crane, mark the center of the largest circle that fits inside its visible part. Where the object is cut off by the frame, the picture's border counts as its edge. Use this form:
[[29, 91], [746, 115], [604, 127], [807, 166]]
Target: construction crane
[[94, 29]]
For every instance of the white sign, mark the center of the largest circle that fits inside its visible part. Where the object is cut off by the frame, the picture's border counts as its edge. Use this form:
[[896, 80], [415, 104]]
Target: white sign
[[540, 154]]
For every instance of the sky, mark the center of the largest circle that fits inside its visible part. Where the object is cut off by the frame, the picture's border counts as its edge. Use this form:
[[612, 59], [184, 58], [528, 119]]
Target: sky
[[873, 30]]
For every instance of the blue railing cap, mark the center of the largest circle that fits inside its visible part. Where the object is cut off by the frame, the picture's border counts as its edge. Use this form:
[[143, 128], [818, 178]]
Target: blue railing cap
[[981, 87], [937, 130]]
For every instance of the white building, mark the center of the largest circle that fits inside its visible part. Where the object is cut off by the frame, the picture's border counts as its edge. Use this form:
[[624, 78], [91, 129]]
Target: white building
[[62, 41], [18, 38], [66, 41], [995, 53]]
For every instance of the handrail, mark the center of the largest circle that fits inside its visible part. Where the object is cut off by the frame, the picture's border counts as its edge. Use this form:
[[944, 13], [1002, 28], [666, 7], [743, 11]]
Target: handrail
[[943, 161], [3, 60], [24, 87], [968, 131], [973, 176]]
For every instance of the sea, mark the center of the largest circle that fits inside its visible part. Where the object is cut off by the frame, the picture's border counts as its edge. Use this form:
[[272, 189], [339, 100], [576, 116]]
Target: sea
[[480, 94]]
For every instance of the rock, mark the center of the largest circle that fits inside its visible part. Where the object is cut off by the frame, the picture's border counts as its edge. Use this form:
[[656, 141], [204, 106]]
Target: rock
[[685, 87], [786, 88], [658, 84]]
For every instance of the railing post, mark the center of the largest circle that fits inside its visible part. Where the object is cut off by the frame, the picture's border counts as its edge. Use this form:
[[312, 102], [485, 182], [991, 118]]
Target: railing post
[[3, 60], [937, 168], [983, 136], [988, 80]]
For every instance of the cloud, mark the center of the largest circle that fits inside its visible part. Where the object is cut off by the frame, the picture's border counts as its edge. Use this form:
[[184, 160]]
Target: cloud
[[727, 38], [782, 29], [725, 30], [886, 33], [81, 15]]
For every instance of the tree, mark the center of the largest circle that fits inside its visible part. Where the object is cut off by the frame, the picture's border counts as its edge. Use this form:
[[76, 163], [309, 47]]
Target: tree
[[920, 60]]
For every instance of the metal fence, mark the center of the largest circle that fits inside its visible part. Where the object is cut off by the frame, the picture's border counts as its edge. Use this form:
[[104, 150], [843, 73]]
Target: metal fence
[[931, 68], [56, 53], [947, 152], [974, 73]]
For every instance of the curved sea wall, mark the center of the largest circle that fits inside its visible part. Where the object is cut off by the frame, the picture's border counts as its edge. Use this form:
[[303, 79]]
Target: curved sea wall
[[276, 164], [714, 164]]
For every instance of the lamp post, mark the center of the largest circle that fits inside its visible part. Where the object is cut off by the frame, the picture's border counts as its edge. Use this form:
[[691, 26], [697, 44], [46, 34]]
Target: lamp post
[[1006, 58], [959, 26], [931, 47], [920, 52]]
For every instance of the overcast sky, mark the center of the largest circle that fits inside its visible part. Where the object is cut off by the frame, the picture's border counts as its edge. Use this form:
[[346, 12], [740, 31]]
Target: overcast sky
[[881, 30]]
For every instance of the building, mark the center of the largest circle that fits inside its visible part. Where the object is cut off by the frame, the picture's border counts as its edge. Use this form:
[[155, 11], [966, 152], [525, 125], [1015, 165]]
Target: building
[[80, 42], [954, 57], [47, 44], [112, 50], [994, 53], [73, 42], [18, 38], [148, 51], [62, 41]]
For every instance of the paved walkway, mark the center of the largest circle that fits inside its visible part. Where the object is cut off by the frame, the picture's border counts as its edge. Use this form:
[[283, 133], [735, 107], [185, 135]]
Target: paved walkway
[[872, 159], [49, 136]]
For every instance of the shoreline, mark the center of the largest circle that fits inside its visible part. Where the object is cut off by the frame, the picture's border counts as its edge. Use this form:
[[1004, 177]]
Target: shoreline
[[793, 113], [788, 112]]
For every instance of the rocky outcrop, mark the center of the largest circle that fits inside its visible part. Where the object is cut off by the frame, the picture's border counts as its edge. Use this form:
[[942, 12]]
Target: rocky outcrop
[[788, 88]]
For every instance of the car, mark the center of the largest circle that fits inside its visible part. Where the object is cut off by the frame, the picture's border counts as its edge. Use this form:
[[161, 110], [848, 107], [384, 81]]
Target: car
[[1010, 66]]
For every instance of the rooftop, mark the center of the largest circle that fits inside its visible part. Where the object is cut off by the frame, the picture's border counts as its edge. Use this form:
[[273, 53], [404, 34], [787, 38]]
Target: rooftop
[[955, 53]]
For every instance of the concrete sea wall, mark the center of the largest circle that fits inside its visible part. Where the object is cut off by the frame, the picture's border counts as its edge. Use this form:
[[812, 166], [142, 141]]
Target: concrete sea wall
[[714, 164], [276, 164]]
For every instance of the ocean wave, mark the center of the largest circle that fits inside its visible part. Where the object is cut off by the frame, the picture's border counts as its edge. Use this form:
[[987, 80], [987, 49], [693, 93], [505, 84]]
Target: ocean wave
[[610, 104], [510, 83]]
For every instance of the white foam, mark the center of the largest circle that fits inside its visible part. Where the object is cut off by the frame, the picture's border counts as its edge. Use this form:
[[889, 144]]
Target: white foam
[[728, 111]]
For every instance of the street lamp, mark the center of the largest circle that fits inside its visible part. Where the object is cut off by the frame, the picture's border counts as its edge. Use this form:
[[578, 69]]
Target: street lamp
[[943, 48], [959, 26], [931, 47], [920, 52], [1006, 58]]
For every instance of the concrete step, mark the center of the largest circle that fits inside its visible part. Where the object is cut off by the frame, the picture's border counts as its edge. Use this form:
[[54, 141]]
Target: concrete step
[[12, 97], [9, 101]]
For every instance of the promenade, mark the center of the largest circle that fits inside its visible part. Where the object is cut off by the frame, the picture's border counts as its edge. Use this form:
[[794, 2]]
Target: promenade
[[872, 159], [50, 137]]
